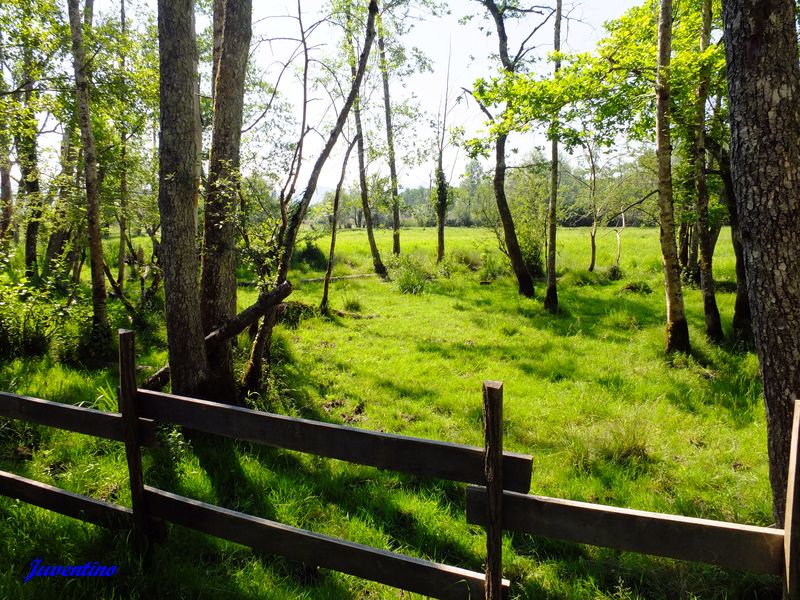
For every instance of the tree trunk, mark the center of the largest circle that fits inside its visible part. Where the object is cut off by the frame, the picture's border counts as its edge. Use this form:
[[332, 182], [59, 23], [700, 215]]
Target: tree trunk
[[101, 330], [288, 242], [764, 85], [28, 157], [323, 306], [593, 201], [377, 263], [122, 217], [711, 312], [441, 208], [692, 272], [217, 24], [677, 329], [252, 375], [61, 229], [683, 246], [6, 198], [176, 195], [742, 317], [551, 296], [387, 103], [524, 279], [218, 282]]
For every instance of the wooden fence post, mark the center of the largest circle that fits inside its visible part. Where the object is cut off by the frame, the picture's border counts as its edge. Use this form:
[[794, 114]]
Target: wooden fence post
[[791, 531], [130, 420], [493, 436]]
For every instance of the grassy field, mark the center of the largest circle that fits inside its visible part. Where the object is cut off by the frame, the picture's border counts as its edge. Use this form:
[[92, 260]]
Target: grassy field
[[588, 392]]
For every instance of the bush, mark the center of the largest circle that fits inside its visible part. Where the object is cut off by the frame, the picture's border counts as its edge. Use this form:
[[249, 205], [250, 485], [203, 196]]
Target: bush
[[311, 256], [467, 257], [614, 273], [638, 287], [582, 278], [295, 312], [410, 275], [28, 319], [492, 266], [352, 304]]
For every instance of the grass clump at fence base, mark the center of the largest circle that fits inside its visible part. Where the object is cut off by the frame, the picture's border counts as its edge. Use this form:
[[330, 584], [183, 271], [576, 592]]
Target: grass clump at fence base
[[588, 393]]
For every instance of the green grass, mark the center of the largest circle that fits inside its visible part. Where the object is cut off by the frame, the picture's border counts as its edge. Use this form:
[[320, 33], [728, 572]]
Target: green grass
[[588, 392]]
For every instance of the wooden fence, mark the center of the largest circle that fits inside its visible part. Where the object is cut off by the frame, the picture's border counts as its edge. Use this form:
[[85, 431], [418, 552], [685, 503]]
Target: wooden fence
[[497, 498]]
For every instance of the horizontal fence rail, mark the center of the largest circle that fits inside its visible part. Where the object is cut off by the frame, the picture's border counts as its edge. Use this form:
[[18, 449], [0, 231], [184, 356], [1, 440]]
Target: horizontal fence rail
[[758, 549], [79, 419], [412, 574], [507, 475], [66, 503], [416, 456]]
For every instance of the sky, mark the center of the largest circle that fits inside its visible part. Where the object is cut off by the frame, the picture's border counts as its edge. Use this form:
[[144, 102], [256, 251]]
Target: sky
[[470, 50], [468, 47]]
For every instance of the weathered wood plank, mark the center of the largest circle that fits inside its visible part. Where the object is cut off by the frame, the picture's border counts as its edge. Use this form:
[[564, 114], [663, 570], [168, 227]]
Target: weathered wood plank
[[792, 515], [88, 421], [412, 574], [67, 503], [746, 547], [493, 473], [386, 451]]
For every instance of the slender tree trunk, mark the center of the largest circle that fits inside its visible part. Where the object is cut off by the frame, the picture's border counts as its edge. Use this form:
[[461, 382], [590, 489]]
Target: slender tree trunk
[[683, 246], [742, 318], [387, 103], [677, 329], [28, 157], [323, 306], [764, 86], [551, 296], [6, 198], [441, 208], [442, 187], [217, 24], [218, 282], [377, 263], [88, 12], [593, 201], [122, 218], [252, 375], [618, 233], [101, 328], [177, 193], [289, 239], [692, 272], [711, 312], [61, 229], [524, 279]]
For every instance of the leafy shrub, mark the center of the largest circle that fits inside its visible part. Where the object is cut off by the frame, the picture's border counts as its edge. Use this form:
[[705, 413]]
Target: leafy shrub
[[410, 275], [614, 273], [28, 320], [470, 258], [492, 266], [295, 312], [638, 287], [582, 278], [352, 304], [311, 256]]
